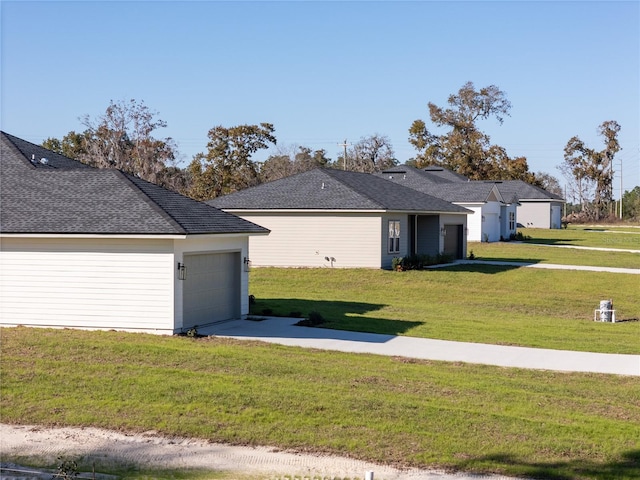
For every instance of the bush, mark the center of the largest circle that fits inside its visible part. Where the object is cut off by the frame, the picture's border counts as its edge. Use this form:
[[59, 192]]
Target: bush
[[519, 236], [314, 320], [418, 262]]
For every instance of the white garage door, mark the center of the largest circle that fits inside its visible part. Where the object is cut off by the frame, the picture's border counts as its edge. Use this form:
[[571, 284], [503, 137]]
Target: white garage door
[[211, 289]]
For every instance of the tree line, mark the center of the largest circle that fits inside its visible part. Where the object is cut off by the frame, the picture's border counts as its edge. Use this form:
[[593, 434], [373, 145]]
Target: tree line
[[125, 137]]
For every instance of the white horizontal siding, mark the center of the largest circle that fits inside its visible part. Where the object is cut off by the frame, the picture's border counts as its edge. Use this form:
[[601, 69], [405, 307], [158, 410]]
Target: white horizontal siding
[[302, 240], [209, 244], [87, 283]]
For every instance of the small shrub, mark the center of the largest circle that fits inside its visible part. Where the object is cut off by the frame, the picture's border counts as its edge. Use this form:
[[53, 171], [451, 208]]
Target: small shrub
[[418, 262], [193, 332], [313, 320], [519, 236], [396, 263], [471, 255]]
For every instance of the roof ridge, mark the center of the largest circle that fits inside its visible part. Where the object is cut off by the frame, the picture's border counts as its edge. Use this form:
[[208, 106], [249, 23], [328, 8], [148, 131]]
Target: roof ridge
[[359, 191], [148, 200], [11, 144]]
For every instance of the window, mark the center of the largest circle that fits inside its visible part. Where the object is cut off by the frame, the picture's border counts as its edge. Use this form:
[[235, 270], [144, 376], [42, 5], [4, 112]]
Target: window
[[394, 236], [512, 221]]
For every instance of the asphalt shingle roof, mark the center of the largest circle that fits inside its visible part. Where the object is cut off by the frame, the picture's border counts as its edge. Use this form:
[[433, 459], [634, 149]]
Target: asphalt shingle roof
[[331, 189], [525, 191], [64, 196], [462, 191], [453, 187]]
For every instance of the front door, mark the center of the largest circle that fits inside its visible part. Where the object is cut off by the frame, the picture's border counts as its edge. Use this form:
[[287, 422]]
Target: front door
[[453, 240]]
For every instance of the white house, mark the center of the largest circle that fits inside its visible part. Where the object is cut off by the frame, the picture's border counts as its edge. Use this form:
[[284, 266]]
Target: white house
[[537, 208], [494, 216], [99, 249], [335, 218]]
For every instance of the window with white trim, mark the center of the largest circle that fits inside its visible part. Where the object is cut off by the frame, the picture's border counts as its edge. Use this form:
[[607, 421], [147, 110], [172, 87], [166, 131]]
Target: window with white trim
[[512, 221], [394, 236]]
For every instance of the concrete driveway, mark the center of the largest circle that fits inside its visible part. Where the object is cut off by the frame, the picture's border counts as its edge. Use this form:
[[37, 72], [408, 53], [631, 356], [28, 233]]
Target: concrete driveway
[[284, 331]]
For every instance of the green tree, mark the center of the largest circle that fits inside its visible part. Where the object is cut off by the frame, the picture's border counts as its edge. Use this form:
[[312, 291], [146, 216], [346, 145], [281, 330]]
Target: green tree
[[227, 166], [72, 145], [631, 204], [590, 172], [464, 148]]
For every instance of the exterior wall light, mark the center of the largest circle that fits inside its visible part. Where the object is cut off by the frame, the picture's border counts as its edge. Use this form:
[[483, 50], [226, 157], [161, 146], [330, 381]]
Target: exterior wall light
[[182, 271], [443, 232], [247, 264]]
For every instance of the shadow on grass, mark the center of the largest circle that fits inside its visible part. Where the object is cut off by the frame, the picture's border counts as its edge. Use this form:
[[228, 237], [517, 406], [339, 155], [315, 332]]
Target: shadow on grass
[[552, 241], [627, 467], [337, 315], [487, 267]]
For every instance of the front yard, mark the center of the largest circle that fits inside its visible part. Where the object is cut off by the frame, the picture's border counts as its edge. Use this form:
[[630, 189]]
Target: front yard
[[475, 303], [397, 411], [478, 418]]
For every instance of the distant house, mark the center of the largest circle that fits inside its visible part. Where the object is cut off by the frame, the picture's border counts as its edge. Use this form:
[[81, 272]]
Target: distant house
[[99, 249], [494, 215], [336, 218], [537, 208]]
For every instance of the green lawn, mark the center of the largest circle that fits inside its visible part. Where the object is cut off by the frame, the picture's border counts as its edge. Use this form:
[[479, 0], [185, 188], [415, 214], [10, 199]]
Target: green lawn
[[472, 303], [538, 248], [476, 303], [587, 236], [543, 253], [390, 410]]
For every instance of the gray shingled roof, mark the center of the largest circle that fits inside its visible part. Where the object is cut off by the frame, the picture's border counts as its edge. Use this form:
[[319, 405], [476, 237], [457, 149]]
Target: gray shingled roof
[[65, 196], [453, 187], [459, 191], [331, 189], [525, 191], [39, 156]]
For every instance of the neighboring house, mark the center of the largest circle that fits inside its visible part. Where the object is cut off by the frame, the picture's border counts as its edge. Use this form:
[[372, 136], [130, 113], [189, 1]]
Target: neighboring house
[[99, 249], [537, 208], [494, 216], [335, 218]]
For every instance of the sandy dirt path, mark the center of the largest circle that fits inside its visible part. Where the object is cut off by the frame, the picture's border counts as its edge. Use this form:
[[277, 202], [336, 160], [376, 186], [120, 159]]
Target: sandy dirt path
[[153, 451]]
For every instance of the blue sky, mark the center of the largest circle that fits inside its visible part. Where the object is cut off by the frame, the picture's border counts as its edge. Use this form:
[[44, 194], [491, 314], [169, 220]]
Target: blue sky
[[322, 72]]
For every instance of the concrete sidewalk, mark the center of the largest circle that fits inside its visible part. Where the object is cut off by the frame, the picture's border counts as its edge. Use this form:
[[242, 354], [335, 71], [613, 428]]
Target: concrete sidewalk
[[548, 266], [284, 331]]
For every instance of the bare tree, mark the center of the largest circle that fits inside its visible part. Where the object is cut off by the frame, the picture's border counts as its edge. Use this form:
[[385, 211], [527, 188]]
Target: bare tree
[[123, 138], [371, 154], [590, 172]]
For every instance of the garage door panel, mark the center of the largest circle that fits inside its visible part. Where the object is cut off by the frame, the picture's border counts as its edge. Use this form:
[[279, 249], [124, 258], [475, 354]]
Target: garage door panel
[[212, 288]]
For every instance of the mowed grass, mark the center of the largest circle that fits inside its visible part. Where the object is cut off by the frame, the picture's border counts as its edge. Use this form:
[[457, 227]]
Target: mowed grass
[[538, 248], [471, 303], [477, 303], [544, 253], [382, 409], [587, 236]]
